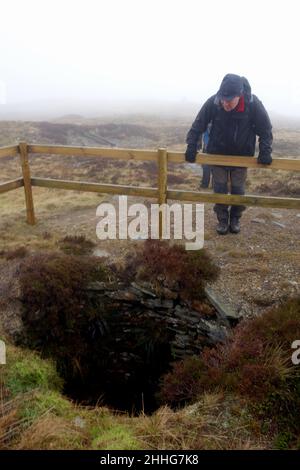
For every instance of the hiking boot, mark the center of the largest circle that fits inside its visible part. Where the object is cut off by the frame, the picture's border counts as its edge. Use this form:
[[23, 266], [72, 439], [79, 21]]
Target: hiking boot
[[235, 226], [222, 227]]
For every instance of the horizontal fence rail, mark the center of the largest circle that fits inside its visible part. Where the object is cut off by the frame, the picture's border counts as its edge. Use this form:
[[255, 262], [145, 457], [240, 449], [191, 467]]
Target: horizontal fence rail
[[10, 151], [94, 187], [260, 201], [246, 162], [10, 185], [290, 164], [120, 154], [161, 193], [180, 195]]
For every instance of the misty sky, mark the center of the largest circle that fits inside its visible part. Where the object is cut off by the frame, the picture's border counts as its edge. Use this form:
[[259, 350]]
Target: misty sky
[[156, 50]]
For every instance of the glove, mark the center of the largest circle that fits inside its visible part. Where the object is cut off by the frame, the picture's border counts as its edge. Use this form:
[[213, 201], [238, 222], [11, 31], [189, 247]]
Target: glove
[[190, 154], [264, 159]]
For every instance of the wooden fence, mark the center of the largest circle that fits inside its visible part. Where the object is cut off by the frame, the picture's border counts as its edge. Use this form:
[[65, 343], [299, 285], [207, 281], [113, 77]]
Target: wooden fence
[[162, 156]]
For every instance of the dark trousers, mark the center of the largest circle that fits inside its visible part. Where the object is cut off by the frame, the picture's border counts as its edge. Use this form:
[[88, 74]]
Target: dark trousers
[[206, 175], [229, 179]]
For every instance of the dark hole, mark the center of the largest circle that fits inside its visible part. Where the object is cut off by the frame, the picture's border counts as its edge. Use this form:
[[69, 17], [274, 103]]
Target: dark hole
[[123, 375], [114, 359], [112, 339]]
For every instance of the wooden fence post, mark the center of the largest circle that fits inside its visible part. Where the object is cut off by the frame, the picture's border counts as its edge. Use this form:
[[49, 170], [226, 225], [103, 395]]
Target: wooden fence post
[[27, 183], [162, 183]]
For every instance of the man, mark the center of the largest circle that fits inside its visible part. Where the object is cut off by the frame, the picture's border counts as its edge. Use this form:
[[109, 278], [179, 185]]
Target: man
[[236, 118]]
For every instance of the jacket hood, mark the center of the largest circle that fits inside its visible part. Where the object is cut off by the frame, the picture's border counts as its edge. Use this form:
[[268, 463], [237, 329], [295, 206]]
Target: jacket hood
[[246, 91]]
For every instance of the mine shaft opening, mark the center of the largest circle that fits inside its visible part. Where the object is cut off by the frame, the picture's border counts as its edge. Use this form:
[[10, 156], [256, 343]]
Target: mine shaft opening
[[117, 354], [125, 376], [112, 334]]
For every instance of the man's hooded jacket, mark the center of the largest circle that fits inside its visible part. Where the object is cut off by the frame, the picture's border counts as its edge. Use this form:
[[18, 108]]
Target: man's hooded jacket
[[234, 132]]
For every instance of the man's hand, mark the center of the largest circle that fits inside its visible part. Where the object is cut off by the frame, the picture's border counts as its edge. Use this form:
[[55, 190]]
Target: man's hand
[[264, 159], [190, 154]]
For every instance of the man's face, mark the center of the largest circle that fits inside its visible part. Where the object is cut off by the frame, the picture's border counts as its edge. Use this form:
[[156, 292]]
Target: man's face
[[230, 105]]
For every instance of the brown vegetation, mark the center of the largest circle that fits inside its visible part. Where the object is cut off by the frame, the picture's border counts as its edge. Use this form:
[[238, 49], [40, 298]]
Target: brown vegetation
[[254, 364], [162, 264]]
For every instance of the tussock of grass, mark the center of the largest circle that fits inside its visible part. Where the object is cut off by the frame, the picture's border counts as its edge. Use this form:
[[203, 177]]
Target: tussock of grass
[[116, 437], [76, 245], [26, 371], [10, 425], [19, 252], [53, 432], [43, 402], [213, 422], [29, 388]]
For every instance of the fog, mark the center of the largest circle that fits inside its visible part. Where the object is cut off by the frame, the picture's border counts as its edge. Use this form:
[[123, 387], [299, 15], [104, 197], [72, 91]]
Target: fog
[[96, 56]]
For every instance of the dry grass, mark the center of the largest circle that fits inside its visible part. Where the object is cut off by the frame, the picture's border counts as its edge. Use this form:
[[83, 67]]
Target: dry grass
[[214, 422], [254, 267], [11, 423], [9, 426], [237, 253], [53, 432], [58, 214]]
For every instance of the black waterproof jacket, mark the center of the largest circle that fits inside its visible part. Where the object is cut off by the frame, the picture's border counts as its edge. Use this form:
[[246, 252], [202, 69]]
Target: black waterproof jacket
[[233, 132]]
